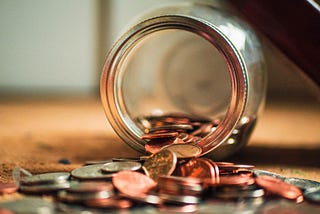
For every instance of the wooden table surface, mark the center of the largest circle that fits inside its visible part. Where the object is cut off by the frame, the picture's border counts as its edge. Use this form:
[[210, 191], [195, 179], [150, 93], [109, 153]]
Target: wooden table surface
[[36, 133]]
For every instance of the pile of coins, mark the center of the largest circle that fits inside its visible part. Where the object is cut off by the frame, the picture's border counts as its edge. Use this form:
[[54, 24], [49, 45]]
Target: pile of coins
[[163, 179], [170, 130], [174, 174]]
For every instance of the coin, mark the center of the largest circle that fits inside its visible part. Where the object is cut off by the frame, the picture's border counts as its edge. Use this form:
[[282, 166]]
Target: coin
[[72, 197], [184, 150], [160, 135], [312, 194], [236, 180], [183, 199], [90, 172], [160, 164], [109, 203], [8, 188], [198, 168], [29, 205], [42, 188], [174, 127], [228, 193], [94, 162], [146, 198], [175, 185], [303, 184], [259, 172], [46, 178], [132, 183], [188, 208], [278, 187], [155, 145], [91, 186], [120, 166]]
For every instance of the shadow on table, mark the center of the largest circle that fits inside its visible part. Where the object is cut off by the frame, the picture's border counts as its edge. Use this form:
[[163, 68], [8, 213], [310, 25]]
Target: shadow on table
[[282, 156]]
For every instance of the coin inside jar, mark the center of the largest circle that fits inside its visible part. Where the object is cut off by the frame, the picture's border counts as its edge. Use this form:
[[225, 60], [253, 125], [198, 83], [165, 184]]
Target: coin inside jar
[[121, 166]]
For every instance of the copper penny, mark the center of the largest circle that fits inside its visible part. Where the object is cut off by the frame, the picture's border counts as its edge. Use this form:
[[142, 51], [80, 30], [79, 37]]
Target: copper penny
[[8, 188], [278, 187], [155, 145], [90, 186], [160, 164], [236, 180], [160, 135], [175, 185], [109, 203], [132, 183], [198, 168]]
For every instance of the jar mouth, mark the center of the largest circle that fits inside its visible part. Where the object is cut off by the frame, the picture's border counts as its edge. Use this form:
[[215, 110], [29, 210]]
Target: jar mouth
[[111, 79]]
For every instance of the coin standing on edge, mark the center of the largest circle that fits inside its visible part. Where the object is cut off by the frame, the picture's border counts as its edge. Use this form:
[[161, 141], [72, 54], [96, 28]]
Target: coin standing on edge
[[162, 163], [184, 150]]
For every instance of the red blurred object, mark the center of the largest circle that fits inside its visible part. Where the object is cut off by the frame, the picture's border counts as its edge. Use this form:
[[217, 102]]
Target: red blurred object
[[293, 26]]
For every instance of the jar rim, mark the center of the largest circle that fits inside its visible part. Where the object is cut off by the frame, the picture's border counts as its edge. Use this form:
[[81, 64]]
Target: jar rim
[[109, 87]]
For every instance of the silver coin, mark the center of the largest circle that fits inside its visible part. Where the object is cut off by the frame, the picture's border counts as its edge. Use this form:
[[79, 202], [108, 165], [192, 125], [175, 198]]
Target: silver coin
[[303, 184], [44, 188], [120, 166], [146, 198], [82, 197], [259, 172], [229, 193], [183, 199], [46, 178], [29, 205], [312, 194], [90, 172]]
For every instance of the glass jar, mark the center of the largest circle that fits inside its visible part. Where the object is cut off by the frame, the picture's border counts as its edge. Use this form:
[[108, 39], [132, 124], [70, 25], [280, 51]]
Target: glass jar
[[187, 59]]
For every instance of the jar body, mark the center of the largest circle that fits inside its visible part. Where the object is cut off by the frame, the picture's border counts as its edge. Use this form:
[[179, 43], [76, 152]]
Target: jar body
[[191, 59]]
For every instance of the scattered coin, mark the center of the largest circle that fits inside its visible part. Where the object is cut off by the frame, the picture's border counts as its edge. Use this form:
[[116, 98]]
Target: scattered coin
[[8, 188], [91, 172], [160, 164], [184, 150], [46, 178], [303, 184], [44, 188], [109, 203], [132, 183], [278, 187], [121, 166], [199, 168], [259, 172], [312, 194], [29, 205]]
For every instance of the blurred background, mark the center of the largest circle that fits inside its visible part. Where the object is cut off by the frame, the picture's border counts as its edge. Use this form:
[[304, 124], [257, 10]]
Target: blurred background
[[58, 48]]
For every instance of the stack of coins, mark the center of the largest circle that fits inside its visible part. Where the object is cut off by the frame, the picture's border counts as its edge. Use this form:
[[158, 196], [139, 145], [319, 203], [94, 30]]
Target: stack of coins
[[176, 128], [86, 192], [43, 183], [163, 180]]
